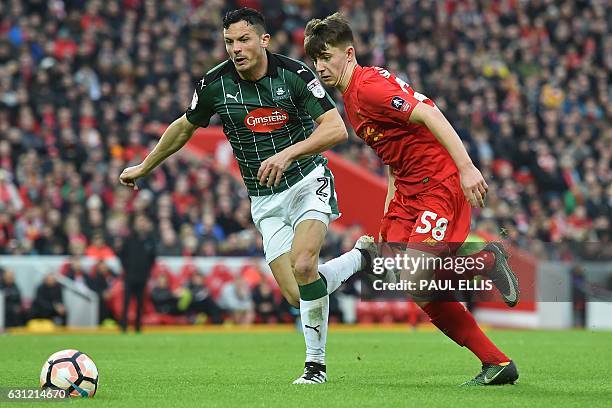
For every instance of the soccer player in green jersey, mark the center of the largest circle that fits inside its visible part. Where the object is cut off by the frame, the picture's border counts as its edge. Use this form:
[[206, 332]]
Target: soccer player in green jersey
[[267, 103]]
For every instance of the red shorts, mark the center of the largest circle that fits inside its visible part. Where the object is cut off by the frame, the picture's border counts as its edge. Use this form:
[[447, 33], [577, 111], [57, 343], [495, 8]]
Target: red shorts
[[440, 214]]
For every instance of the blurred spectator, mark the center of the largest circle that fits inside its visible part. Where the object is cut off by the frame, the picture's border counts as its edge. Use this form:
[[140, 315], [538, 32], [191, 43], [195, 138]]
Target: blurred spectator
[[75, 270], [137, 254], [164, 299], [169, 244], [98, 249], [10, 201], [335, 312], [48, 302], [266, 307], [100, 280], [13, 313], [235, 297], [201, 300]]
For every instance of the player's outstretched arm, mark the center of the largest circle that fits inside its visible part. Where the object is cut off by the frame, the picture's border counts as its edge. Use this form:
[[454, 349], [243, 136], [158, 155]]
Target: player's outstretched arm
[[330, 132], [174, 137], [473, 184]]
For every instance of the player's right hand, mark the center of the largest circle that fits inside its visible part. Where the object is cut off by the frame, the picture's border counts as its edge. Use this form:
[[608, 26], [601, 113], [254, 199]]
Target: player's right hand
[[129, 176], [271, 170], [474, 186]]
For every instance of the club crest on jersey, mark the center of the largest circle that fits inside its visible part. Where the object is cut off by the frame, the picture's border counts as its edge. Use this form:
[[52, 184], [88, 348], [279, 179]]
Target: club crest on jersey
[[264, 120], [316, 88], [399, 104], [280, 92]]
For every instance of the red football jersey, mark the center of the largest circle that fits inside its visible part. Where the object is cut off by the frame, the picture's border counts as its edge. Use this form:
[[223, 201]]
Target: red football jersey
[[378, 106]]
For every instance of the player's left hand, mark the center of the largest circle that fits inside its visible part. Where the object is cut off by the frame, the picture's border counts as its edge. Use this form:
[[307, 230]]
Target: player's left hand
[[271, 170], [473, 185]]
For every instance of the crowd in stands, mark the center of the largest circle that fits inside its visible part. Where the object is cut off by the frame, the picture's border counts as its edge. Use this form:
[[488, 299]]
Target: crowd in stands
[[84, 86]]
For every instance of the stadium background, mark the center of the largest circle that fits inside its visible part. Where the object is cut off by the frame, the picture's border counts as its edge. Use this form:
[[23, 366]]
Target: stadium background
[[86, 87]]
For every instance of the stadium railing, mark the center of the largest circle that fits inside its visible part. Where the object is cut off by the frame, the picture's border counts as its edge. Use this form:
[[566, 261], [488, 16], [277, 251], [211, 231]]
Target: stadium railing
[[81, 303]]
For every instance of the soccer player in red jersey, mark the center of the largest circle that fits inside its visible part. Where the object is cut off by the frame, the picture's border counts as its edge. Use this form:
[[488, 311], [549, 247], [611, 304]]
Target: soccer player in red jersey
[[432, 180]]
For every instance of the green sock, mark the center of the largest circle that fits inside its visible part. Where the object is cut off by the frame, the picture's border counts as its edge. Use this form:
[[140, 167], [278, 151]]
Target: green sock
[[323, 278], [314, 315], [314, 290]]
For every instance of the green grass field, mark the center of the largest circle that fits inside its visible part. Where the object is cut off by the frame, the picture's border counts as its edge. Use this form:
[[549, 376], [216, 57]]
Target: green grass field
[[366, 368]]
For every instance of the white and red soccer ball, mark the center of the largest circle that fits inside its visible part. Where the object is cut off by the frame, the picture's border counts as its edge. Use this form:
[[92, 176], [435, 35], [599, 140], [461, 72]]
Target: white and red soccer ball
[[72, 371]]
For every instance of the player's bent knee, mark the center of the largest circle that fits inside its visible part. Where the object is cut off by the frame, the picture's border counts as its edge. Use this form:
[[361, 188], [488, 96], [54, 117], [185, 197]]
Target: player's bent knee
[[304, 267]]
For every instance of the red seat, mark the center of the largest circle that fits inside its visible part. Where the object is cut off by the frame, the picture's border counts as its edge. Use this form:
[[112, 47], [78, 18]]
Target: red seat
[[217, 278], [65, 267], [382, 312], [160, 268], [186, 273], [400, 311], [364, 312], [166, 319], [115, 301]]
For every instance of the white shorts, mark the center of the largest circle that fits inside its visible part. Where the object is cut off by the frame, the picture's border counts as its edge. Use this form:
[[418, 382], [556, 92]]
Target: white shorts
[[277, 215]]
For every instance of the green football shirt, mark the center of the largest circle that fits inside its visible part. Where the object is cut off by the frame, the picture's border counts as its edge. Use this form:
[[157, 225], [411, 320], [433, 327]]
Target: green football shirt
[[262, 118]]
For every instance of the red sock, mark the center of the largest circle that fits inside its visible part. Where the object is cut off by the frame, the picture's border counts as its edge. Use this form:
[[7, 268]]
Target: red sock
[[459, 324], [469, 266]]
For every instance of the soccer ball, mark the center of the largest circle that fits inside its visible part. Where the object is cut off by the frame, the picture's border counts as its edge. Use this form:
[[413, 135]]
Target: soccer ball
[[72, 371]]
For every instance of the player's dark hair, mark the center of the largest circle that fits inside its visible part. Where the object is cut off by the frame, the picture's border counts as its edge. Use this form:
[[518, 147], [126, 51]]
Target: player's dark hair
[[332, 31], [251, 16]]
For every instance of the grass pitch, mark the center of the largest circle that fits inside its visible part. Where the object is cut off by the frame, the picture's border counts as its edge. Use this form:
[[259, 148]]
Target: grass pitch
[[373, 368]]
